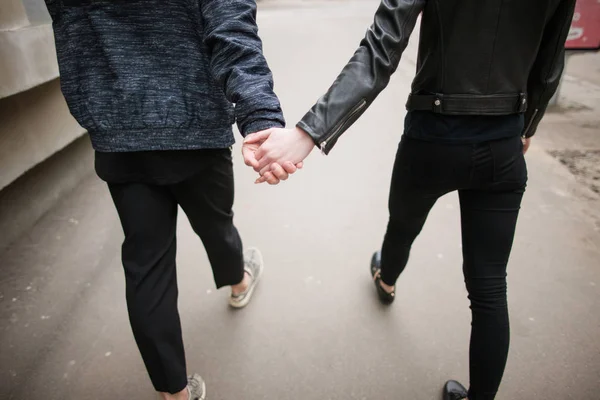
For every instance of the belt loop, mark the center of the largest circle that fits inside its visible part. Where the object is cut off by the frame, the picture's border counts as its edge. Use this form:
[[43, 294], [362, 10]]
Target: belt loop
[[438, 103], [522, 106]]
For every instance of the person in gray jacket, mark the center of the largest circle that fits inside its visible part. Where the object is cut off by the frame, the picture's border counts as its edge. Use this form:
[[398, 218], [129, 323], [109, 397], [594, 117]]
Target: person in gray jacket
[[158, 86]]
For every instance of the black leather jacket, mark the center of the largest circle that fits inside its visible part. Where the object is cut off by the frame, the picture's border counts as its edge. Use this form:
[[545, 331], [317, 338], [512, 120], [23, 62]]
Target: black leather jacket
[[476, 57]]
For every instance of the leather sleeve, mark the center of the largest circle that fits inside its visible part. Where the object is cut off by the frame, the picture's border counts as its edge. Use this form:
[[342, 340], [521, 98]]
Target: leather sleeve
[[549, 65], [238, 63], [365, 75]]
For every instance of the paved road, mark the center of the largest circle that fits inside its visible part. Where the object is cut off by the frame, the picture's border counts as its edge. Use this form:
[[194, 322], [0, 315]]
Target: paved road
[[315, 330]]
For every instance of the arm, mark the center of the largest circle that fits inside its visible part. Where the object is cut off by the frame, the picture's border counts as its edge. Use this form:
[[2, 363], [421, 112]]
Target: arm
[[238, 63], [548, 66], [365, 75]]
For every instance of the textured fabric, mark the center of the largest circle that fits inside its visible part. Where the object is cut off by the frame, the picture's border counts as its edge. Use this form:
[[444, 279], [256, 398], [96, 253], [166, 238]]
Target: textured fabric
[[427, 125], [155, 167], [148, 215], [163, 75], [490, 178]]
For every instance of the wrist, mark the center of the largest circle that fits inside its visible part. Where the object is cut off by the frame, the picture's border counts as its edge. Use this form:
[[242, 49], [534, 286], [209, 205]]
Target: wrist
[[260, 125], [304, 135]]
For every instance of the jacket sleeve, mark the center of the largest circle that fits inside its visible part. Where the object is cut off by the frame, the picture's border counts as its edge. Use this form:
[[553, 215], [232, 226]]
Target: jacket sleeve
[[365, 75], [238, 64], [548, 67]]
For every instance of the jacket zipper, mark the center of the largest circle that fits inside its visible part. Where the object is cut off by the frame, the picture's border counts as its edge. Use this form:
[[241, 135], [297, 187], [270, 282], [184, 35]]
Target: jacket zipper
[[337, 130], [535, 113]]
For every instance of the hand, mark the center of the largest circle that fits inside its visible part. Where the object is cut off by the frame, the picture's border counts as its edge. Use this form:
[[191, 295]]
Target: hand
[[280, 147], [278, 172], [526, 144]]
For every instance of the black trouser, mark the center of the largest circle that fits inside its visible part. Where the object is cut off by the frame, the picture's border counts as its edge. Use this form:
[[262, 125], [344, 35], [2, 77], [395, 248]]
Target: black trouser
[[148, 214], [490, 179]]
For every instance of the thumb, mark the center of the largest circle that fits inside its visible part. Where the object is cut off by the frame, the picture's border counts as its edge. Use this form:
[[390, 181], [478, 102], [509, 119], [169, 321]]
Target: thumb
[[249, 157], [260, 152], [258, 136]]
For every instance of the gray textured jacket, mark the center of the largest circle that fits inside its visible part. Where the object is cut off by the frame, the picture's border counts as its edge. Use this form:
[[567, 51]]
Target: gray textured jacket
[[163, 75]]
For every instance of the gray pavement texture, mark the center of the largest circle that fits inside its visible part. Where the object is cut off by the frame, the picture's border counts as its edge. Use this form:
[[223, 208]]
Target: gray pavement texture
[[315, 329]]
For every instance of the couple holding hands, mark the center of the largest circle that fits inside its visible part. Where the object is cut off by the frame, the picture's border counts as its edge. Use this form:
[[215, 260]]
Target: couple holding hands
[[158, 85]]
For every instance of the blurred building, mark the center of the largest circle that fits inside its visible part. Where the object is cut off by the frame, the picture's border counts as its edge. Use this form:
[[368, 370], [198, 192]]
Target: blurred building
[[43, 151]]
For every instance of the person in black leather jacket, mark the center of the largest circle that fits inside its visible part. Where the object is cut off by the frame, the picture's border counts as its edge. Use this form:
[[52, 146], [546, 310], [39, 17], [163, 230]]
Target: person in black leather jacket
[[486, 72]]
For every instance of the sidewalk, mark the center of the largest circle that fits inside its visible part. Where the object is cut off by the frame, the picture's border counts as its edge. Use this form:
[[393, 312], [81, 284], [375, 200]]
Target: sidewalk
[[315, 330], [571, 131]]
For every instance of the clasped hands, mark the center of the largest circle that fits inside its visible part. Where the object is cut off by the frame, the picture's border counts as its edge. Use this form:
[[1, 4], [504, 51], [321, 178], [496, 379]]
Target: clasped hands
[[276, 153]]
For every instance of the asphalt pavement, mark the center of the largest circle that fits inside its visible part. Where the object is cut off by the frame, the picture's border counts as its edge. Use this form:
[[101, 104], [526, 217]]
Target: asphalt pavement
[[315, 329]]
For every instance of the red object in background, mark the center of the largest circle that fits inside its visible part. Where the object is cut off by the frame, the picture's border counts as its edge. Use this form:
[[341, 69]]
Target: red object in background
[[585, 29]]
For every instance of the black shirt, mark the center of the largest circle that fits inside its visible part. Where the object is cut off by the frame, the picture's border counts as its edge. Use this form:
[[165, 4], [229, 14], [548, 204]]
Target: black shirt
[[154, 167], [461, 129]]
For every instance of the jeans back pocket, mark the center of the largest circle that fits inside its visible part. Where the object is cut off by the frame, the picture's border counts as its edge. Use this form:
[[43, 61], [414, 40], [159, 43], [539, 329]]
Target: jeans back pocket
[[509, 161]]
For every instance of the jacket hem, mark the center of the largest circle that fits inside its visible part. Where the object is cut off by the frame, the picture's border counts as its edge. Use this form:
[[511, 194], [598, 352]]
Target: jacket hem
[[161, 139]]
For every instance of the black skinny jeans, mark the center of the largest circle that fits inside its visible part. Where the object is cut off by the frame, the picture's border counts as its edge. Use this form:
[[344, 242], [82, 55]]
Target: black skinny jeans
[[148, 214], [490, 178]]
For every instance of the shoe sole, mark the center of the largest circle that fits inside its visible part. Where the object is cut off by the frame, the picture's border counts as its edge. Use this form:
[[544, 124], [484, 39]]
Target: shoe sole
[[203, 397], [243, 303]]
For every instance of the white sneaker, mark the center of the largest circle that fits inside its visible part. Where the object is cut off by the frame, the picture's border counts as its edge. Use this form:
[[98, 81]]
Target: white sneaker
[[196, 387], [253, 266]]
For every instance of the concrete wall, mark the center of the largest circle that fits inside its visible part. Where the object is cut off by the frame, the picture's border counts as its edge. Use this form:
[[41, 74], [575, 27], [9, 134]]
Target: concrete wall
[[27, 57], [35, 124], [41, 188], [12, 15], [27, 54]]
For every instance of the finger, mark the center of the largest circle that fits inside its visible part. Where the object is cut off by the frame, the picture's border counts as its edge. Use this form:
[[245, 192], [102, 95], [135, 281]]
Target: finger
[[526, 144], [300, 165], [263, 166], [266, 161], [271, 179], [289, 167], [258, 136], [279, 172], [261, 152], [264, 170], [262, 159], [249, 158], [265, 177]]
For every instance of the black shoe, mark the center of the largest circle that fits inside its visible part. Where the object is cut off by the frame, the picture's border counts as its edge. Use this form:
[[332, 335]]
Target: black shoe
[[454, 391], [385, 297]]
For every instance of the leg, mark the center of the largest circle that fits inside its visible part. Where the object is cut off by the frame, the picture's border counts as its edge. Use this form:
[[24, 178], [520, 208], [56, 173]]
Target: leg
[[412, 195], [488, 226], [149, 216], [207, 200], [408, 213]]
